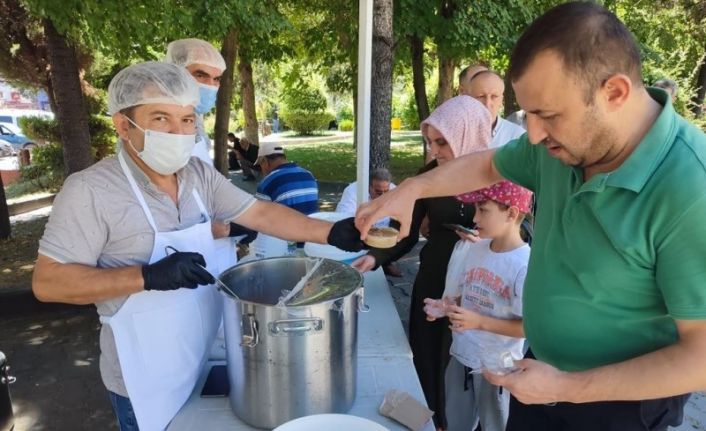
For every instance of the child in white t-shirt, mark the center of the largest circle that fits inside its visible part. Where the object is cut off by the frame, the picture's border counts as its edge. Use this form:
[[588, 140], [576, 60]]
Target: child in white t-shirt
[[483, 301]]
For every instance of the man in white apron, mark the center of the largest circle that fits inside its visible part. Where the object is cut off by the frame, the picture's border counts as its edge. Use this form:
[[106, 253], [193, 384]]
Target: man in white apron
[[132, 234]]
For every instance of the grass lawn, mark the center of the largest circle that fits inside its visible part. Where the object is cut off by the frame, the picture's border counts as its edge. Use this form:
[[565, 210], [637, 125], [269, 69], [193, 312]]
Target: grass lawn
[[336, 161]]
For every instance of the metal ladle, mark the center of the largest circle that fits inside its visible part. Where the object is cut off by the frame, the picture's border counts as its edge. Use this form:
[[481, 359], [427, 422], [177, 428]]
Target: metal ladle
[[221, 285]]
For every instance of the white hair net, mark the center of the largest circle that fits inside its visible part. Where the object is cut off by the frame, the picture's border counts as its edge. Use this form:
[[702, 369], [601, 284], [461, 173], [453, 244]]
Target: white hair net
[[185, 52], [151, 82]]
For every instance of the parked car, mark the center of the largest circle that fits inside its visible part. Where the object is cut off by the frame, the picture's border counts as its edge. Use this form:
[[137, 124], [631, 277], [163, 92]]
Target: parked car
[[13, 135], [6, 149], [12, 116]]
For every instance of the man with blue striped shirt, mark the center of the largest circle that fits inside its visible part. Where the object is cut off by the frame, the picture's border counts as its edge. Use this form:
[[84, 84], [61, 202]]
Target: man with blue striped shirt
[[284, 182]]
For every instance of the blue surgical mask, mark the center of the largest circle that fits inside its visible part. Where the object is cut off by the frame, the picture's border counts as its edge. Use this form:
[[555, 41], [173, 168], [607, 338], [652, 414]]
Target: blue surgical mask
[[207, 98]]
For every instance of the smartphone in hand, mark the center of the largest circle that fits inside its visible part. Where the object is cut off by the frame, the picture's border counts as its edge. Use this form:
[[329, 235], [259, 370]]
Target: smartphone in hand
[[464, 229]]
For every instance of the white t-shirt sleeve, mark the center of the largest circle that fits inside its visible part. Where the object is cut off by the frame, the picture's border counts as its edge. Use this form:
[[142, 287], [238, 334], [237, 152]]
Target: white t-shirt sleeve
[[347, 204]]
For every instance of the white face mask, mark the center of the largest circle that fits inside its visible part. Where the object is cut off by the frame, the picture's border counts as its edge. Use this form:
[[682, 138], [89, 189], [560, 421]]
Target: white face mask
[[165, 153]]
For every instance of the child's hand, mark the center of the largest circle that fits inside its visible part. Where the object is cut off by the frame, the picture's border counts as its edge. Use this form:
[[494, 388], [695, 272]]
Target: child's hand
[[434, 309], [462, 319]]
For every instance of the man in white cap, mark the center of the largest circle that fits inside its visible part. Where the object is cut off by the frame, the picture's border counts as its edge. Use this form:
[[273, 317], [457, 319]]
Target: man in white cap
[[206, 65], [131, 234], [285, 182]]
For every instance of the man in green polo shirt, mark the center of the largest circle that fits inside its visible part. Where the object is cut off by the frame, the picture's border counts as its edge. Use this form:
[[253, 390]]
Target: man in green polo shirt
[[615, 295]]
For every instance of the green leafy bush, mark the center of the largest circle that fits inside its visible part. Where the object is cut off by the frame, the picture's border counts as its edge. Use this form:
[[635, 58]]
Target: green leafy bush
[[306, 123], [409, 116], [345, 125], [40, 129], [304, 110], [45, 131], [304, 98], [345, 113], [103, 136], [47, 168]]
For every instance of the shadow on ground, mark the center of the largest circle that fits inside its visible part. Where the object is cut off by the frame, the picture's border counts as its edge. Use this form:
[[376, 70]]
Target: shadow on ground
[[53, 351]]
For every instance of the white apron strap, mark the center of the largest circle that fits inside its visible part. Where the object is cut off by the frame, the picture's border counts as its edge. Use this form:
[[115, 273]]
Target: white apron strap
[[137, 192], [202, 207]]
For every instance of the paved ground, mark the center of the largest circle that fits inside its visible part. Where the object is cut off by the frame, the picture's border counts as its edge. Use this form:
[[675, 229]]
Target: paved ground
[[53, 351]]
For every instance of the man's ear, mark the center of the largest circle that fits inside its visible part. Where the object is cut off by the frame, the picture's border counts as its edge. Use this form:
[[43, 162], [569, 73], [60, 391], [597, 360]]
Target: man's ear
[[615, 91], [121, 124]]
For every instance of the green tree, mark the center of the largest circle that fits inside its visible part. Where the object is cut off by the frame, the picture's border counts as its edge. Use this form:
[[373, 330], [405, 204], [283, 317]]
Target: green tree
[[327, 42], [35, 54], [672, 35], [223, 102], [381, 89], [23, 51], [483, 30], [68, 96]]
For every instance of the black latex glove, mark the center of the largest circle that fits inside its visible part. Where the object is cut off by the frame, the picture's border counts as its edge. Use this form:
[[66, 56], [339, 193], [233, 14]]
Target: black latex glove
[[237, 230], [345, 235], [176, 270]]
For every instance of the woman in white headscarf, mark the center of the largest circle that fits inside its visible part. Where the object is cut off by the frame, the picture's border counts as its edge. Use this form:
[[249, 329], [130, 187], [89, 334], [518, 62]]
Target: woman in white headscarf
[[460, 126]]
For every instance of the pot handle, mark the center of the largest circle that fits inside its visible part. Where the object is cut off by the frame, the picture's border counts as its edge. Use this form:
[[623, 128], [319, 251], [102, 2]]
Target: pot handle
[[253, 337], [362, 306], [296, 326]]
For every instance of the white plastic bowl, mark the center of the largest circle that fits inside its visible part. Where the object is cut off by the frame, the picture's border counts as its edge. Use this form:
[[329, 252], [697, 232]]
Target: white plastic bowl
[[328, 251], [329, 422]]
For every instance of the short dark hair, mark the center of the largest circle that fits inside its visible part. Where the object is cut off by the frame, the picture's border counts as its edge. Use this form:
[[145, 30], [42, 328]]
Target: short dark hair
[[465, 70], [592, 42], [380, 174], [129, 112], [483, 73], [232, 135], [275, 156]]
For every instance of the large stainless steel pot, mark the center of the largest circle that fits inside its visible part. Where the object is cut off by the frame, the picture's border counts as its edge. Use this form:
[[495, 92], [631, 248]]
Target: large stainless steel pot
[[6, 417], [284, 363]]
